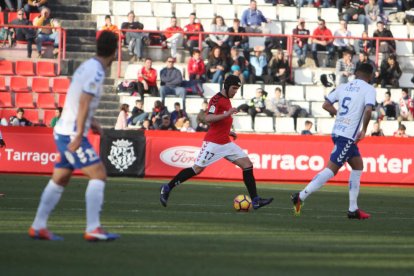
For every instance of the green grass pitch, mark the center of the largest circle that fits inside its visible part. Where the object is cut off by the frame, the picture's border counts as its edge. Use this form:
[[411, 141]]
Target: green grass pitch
[[199, 233]]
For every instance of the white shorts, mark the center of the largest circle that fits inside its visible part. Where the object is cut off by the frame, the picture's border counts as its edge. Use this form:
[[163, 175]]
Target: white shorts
[[211, 152]]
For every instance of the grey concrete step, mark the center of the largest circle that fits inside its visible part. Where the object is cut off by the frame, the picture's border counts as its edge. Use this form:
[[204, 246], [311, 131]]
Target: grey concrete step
[[76, 23], [107, 113], [69, 8], [59, 3], [90, 32], [107, 121], [80, 47], [74, 15]]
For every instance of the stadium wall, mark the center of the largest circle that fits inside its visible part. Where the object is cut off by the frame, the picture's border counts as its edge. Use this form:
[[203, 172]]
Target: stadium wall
[[275, 157]]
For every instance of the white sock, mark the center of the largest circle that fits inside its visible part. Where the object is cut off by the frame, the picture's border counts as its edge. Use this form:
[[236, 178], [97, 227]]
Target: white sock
[[354, 181], [94, 198], [50, 197], [316, 183]]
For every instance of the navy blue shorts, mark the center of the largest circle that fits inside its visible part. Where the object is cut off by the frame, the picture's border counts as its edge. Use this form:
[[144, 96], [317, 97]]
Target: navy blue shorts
[[344, 149], [83, 157]]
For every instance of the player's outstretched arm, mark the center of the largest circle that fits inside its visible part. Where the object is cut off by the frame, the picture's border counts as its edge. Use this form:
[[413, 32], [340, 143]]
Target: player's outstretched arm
[[211, 118], [365, 122], [329, 107], [83, 110]]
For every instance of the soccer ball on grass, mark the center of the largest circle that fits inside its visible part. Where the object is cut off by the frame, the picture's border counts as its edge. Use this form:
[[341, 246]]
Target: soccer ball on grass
[[242, 203]]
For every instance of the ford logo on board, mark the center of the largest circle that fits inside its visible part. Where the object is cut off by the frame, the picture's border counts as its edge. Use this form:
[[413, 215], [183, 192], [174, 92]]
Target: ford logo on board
[[181, 157]]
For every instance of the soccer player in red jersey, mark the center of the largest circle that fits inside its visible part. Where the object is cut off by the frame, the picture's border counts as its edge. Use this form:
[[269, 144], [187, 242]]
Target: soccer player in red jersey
[[217, 145]]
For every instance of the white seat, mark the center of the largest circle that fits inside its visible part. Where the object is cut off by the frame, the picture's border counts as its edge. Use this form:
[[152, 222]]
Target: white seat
[[249, 90], [256, 41], [129, 100], [370, 127], [170, 101], [121, 7], [242, 123], [179, 1], [309, 14], [317, 110], [193, 120], [395, 94], [272, 28], [131, 72], [381, 94], [150, 23], [404, 47], [100, 21], [325, 125], [237, 102], [400, 31], [120, 19], [389, 127], [211, 89], [241, 2], [183, 10], [270, 89], [193, 105], [204, 11], [162, 9], [200, 2], [289, 26], [226, 11], [303, 104], [222, 2], [330, 14], [314, 93], [356, 29], [240, 9], [300, 124], [409, 125], [303, 76], [371, 30], [405, 80], [164, 23], [263, 124], [100, 7], [269, 12], [284, 125], [149, 103], [142, 8], [287, 13], [294, 93]]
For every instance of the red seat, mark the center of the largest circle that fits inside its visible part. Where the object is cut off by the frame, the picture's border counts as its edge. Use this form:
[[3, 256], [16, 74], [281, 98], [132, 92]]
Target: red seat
[[6, 67], [61, 85], [3, 84], [24, 68], [12, 16], [32, 115], [40, 85], [5, 100], [7, 113], [24, 100], [1, 18], [48, 115], [61, 101], [33, 15], [45, 69], [19, 84], [46, 101]]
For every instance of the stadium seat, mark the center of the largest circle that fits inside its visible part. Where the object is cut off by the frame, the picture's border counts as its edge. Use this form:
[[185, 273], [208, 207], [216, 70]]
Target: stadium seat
[[409, 127], [19, 84], [60, 85], [309, 14], [7, 113], [289, 26], [264, 124], [3, 86], [142, 9], [182, 10], [211, 89], [100, 7], [285, 125], [24, 100], [150, 23], [303, 104], [314, 93], [300, 124], [294, 93], [46, 101], [404, 48], [405, 80], [241, 2], [369, 128], [121, 7], [356, 29], [330, 14], [389, 127], [48, 115], [395, 94], [399, 30], [45, 69], [32, 115], [256, 41], [33, 15], [242, 123], [11, 16], [162, 9], [5, 100], [270, 89], [170, 101], [237, 102], [1, 18], [303, 76], [249, 90], [40, 85], [380, 95], [24, 68], [325, 125], [131, 72], [164, 22], [179, 1], [287, 13], [6, 67], [268, 12], [148, 103], [226, 11], [193, 105], [317, 110], [61, 101], [200, 2], [204, 11]]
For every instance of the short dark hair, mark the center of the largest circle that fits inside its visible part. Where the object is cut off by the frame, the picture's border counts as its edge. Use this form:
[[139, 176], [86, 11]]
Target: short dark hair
[[60, 109], [131, 12], [196, 51], [402, 127], [388, 93], [106, 44], [307, 122], [108, 17], [365, 68], [193, 13], [20, 110]]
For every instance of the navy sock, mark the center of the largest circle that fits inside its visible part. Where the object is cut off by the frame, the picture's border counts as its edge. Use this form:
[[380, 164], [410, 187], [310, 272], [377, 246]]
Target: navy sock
[[182, 176], [250, 182]]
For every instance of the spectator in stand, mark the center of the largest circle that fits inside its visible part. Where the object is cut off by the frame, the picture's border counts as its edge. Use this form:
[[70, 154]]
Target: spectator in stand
[[388, 108], [109, 26], [401, 132], [406, 106], [138, 115], [363, 57], [308, 127], [171, 82], [134, 40], [239, 63], [178, 115], [281, 107], [238, 41], [301, 3], [256, 105], [301, 45], [44, 35], [166, 124], [278, 69], [252, 18], [216, 66], [344, 43], [345, 68], [58, 113], [19, 119], [122, 121], [218, 40], [146, 125], [202, 125], [390, 72], [158, 112], [33, 6], [10, 6], [376, 130], [147, 80], [386, 46], [389, 3], [187, 126], [23, 34], [196, 68], [258, 64], [355, 11], [363, 45], [173, 37], [371, 12], [322, 41], [191, 30]]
